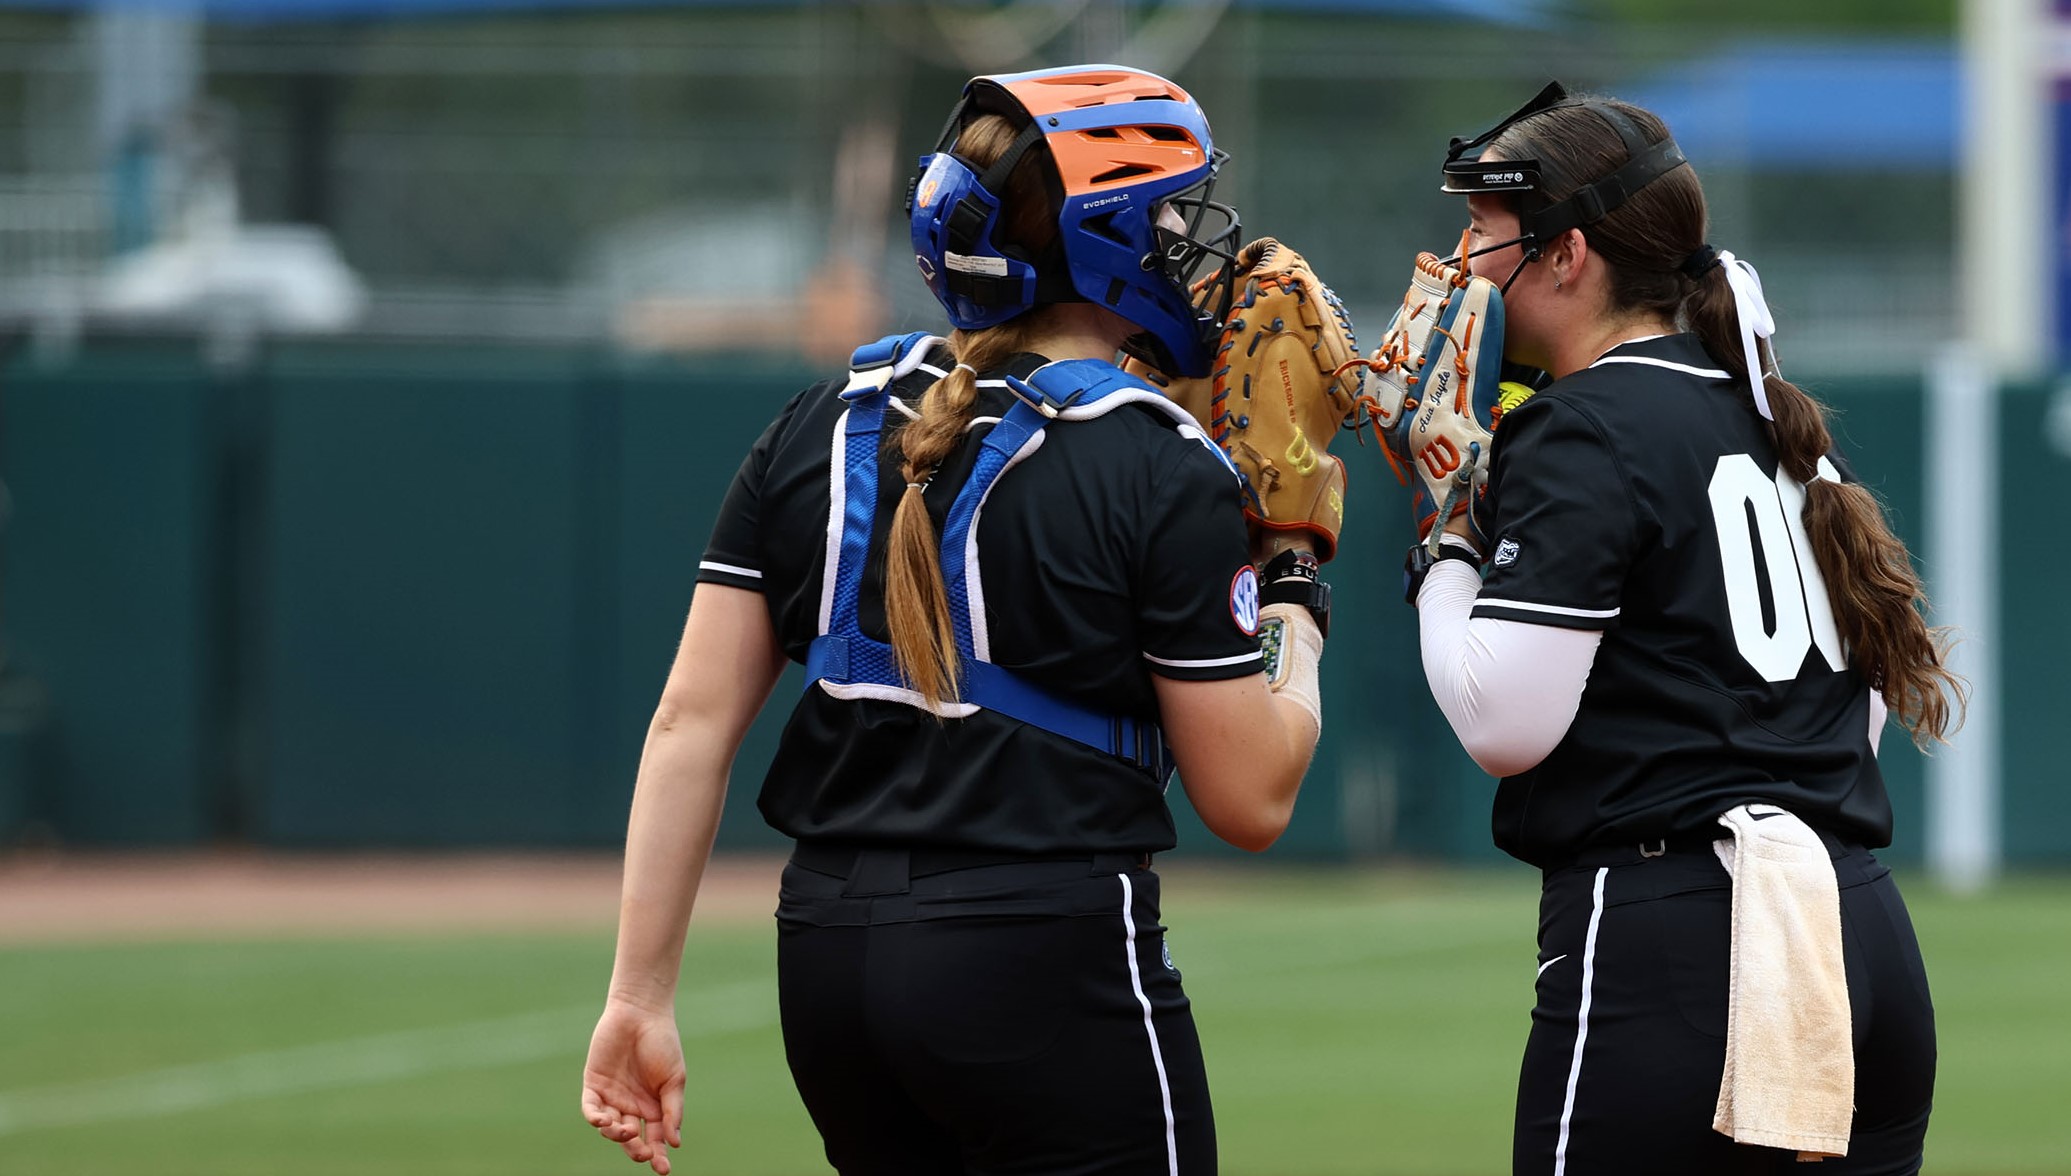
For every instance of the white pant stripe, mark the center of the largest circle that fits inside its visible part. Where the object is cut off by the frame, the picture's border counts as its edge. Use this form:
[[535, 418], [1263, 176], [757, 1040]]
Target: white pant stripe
[[1567, 1107], [1157, 1054]]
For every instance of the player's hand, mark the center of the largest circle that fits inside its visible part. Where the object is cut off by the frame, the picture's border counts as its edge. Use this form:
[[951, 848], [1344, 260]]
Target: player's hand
[[632, 1085]]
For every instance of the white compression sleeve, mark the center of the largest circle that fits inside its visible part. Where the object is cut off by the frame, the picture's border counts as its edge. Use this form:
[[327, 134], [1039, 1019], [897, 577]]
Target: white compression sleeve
[[1510, 689]]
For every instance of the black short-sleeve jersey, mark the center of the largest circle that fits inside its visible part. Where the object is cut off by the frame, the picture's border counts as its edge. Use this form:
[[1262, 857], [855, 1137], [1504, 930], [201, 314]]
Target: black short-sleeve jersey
[[1108, 554], [1641, 497]]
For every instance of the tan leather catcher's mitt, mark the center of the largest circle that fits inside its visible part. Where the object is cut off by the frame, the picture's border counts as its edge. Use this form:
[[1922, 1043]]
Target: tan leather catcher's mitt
[[1279, 392]]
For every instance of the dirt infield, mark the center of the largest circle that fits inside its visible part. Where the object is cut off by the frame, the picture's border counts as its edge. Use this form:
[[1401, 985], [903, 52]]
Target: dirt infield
[[76, 897], [50, 896]]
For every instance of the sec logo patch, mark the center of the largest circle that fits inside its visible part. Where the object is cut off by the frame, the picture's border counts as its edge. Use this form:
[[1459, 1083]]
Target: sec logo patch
[[1244, 600]]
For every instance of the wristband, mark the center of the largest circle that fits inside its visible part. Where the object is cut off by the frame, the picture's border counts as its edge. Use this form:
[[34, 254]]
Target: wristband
[[1420, 561], [1291, 578]]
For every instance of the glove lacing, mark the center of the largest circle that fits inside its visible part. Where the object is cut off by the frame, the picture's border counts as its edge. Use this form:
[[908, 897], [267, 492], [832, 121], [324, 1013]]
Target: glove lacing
[[1394, 353]]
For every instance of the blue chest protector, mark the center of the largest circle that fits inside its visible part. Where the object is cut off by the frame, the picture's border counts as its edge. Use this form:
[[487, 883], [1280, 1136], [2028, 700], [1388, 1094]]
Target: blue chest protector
[[848, 664]]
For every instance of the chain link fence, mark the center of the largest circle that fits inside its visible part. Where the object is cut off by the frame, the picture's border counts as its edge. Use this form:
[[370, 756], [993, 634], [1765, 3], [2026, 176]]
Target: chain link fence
[[732, 178]]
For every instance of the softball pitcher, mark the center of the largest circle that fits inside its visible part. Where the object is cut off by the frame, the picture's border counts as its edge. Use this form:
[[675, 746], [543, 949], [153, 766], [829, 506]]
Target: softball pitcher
[[1654, 601]]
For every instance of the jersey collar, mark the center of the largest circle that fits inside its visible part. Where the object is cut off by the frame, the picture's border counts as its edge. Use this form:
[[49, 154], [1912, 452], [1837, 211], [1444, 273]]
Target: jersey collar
[[1681, 351]]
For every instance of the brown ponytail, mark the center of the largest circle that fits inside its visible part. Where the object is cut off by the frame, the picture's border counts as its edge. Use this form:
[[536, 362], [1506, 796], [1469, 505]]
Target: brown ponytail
[[1644, 242], [916, 598], [1869, 575]]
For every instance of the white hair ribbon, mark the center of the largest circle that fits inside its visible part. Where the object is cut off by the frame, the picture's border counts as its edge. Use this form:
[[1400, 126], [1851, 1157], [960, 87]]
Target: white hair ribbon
[[1755, 323]]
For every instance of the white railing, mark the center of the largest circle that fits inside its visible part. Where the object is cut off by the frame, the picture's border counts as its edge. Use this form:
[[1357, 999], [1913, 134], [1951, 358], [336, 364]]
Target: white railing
[[53, 243]]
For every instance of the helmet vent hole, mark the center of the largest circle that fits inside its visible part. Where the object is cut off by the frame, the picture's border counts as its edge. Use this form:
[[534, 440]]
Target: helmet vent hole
[[1166, 134], [1103, 133], [1114, 292], [1125, 172], [1104, 224]]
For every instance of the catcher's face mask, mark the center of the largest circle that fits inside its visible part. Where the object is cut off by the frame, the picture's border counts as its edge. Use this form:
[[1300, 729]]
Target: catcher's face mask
[[1203, 246], [1540, 222]]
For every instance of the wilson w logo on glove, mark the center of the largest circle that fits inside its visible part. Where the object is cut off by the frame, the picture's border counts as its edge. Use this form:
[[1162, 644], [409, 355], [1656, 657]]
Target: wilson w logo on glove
[[1432, 391], [1440, 458]]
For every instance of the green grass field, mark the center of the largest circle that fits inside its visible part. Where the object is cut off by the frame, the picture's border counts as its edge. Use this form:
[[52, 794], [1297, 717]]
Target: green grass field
[[1355, 1023]]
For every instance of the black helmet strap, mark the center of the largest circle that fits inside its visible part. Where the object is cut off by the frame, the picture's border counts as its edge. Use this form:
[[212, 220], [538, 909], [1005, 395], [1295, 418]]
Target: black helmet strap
[[1592, 202], [1645, 163], [967, 220]]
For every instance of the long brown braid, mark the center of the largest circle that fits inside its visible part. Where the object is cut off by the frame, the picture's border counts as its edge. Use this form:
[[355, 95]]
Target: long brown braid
[[916, 598]]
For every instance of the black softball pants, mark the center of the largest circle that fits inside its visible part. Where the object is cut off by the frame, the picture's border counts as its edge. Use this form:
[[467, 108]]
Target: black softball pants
[[1621, 1072], [1000, 1019]]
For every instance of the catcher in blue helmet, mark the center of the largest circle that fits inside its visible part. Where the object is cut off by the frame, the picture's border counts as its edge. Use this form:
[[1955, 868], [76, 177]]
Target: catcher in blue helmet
[[1020, 585]]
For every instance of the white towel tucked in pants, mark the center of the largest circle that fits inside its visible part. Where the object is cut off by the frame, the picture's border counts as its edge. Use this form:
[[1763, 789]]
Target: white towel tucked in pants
[[1789, 1080]]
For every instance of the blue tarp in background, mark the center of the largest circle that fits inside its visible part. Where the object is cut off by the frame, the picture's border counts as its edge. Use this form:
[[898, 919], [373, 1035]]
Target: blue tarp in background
[[1802, 104]]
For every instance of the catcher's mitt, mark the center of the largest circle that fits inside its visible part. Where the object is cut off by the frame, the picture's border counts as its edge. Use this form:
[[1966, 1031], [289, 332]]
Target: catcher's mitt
[[1279, 391], [1433, 390]]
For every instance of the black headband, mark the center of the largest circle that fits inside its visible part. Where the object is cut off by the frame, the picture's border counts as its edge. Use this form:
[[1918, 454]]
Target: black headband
[[1588, 204]]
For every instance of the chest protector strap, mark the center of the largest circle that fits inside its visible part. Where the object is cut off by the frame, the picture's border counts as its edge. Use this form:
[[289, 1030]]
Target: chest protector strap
[[848, 664]]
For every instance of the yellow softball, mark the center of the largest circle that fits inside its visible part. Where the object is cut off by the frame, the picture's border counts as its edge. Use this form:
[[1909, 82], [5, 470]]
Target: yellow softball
[[1510, 394]]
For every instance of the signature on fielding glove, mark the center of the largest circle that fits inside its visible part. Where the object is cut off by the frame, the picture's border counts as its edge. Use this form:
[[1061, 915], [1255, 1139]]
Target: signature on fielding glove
[[1279, 391], [1433, 393]]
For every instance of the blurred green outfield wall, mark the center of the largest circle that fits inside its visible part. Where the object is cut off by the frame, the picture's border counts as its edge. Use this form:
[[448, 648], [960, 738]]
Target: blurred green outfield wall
[[352, 595]]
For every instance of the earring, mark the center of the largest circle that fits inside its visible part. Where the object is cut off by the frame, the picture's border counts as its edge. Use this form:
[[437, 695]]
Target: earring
[[1556, 283]]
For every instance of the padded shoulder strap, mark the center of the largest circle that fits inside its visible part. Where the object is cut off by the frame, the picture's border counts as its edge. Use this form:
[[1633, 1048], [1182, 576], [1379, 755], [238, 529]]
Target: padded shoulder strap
[[873, 366], [1074, 384], [1081, 389]]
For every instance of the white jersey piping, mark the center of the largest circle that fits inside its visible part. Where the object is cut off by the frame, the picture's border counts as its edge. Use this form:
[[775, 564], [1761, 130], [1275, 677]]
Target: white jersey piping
[[1557, 609], [1567, 1106], [713, 565], [1150, 1028], [1202, 663], [1686, 369]]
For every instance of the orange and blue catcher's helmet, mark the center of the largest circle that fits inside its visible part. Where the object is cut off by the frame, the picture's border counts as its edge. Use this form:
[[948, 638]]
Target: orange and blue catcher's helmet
[[1124, 144]]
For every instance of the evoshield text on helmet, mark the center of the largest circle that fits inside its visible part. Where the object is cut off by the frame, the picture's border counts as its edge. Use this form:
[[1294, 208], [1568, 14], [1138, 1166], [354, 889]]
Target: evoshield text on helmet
[[1125, 144]]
